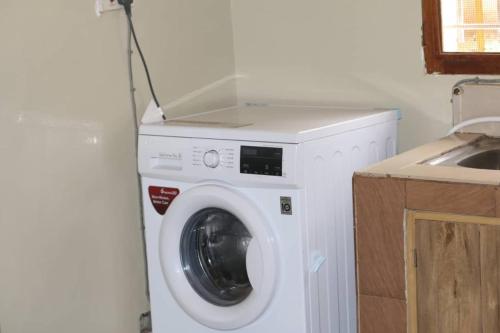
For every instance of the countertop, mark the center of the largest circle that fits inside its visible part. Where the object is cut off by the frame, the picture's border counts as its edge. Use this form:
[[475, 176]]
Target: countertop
[[409, 165]]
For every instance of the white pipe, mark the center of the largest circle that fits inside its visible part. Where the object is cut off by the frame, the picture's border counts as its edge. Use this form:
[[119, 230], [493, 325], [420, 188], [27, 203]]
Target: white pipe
[[474, 121]]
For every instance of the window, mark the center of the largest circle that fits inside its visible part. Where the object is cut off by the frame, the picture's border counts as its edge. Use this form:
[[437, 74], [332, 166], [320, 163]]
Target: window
[[462, 36]]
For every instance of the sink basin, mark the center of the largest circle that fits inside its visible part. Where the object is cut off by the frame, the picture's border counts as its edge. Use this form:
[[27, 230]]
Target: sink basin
[[489, 160], [481, 154]]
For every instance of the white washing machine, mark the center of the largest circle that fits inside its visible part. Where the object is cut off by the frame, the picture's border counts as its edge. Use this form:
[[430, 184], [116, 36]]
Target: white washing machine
[[248, 215]]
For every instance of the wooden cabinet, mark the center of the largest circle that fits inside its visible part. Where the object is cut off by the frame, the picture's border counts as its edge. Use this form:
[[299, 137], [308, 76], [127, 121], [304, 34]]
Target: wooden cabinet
[[428, 256], [453, 271]]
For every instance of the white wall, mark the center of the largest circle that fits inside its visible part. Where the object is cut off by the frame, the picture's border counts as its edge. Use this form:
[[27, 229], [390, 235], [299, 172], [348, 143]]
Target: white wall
[[70, 242], [346, 52]]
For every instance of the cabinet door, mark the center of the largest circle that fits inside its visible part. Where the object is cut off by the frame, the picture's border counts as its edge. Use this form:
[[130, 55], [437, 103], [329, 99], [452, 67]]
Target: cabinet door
[[453, 275]]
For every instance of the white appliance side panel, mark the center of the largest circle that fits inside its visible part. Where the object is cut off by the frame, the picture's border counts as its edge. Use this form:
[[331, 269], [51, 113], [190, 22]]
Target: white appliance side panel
[[287, 310], [329, 165]]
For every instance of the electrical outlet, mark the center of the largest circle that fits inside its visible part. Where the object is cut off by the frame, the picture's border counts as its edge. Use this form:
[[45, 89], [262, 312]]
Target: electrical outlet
[[102, 6]]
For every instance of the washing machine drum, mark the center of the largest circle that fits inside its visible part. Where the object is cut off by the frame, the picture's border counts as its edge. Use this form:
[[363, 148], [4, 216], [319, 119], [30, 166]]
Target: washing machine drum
[[214, 245], [218, 257]]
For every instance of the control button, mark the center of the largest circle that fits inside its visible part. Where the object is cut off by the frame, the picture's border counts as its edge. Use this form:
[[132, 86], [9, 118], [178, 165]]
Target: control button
[[211, 159]]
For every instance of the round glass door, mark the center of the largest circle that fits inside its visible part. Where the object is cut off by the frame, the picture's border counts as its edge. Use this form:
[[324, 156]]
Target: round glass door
[[213, 250], [218, 256]]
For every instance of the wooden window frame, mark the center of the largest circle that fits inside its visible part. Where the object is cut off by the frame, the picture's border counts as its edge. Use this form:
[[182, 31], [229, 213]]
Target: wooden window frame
[[441, 62]]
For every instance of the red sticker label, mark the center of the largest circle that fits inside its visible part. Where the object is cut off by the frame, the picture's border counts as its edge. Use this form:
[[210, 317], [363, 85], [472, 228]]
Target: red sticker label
[[162, 197]]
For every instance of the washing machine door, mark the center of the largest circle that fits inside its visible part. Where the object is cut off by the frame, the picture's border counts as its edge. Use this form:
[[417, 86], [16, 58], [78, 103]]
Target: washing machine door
[[218, 256]]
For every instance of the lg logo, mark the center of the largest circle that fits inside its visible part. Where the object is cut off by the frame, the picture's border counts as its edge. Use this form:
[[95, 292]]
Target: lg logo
[[286, 205]]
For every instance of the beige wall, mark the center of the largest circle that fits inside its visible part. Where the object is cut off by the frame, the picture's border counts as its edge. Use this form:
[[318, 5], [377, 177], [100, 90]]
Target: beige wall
[[341, 52], [70, 245]]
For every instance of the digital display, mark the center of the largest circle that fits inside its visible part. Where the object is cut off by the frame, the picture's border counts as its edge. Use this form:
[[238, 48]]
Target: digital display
[[266, 161]]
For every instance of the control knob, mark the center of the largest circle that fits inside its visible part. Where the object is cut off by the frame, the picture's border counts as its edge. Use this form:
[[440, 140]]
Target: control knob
[[211, 159]]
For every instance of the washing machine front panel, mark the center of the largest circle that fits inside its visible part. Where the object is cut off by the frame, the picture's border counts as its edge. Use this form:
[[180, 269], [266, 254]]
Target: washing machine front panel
[[285, 311], [218, 256]]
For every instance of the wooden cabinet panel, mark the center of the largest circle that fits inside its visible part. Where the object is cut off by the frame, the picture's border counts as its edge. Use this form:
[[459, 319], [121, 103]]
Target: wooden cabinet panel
[[455, 229], [379, 236], [451, 198], [454, 274], [448, 277], [381, 315], [490, 278]]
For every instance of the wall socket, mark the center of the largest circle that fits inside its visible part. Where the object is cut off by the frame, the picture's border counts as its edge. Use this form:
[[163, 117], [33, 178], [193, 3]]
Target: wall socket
[[102, 6]]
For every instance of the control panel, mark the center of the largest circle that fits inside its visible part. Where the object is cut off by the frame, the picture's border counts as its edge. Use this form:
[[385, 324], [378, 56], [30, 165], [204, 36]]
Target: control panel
[[230, 161], [266, 161]]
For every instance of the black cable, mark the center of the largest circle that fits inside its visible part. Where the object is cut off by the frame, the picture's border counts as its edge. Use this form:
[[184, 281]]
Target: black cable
[[138, 176], [128, 11], [126, 4]]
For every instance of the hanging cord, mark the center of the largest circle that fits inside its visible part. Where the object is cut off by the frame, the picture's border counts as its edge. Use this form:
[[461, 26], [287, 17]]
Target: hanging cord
[[127, 5], [133, 108], [133, 103]]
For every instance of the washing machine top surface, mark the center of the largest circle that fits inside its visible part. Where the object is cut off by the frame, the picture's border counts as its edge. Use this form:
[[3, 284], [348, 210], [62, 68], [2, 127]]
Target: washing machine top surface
[[284, 124]]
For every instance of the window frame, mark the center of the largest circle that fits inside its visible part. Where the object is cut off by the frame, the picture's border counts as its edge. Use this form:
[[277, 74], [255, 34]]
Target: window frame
[[439, 62]]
